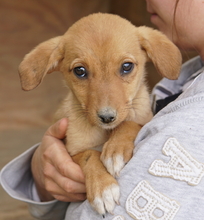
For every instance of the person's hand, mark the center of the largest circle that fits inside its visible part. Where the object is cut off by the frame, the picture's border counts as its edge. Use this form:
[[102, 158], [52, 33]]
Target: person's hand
[[56, 175]]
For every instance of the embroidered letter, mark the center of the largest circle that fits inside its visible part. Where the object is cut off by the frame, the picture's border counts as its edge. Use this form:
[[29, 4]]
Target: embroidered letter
[[182, 166], [144, 203]]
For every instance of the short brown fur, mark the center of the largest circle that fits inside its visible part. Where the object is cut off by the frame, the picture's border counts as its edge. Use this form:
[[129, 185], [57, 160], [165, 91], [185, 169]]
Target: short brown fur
[[101, 43]]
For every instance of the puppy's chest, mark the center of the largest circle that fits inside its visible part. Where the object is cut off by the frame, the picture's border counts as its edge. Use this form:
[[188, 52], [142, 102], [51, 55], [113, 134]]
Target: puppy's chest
[[81, 137]]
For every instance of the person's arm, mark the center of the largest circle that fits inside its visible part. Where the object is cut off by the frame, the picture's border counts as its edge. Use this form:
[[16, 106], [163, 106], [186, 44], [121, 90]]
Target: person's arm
[[17, 181], [56, 175], [17, 177]]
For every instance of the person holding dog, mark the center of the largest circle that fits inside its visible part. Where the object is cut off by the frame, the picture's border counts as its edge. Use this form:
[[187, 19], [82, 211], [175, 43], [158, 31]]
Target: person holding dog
[[164, 179]]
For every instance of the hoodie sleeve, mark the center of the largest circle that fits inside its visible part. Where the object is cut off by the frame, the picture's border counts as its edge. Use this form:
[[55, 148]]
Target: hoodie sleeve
[[17, 181]]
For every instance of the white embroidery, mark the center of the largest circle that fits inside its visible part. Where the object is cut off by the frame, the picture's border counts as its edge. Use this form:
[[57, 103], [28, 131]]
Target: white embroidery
[[144, 203], [182, 166], [118, 217]]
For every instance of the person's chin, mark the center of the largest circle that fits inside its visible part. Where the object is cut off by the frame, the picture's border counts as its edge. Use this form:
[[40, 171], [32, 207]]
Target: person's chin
[[154, 18]]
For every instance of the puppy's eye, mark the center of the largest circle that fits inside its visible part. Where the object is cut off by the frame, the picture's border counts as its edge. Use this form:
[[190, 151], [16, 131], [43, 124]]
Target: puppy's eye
[[126, 68], [80, 72]]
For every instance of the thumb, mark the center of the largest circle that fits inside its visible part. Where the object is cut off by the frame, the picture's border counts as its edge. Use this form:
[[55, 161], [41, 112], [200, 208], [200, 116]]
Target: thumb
[[58, 130]]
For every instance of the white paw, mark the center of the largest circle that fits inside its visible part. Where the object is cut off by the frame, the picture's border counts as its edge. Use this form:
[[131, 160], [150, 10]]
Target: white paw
[[107, 201], [114, 164]]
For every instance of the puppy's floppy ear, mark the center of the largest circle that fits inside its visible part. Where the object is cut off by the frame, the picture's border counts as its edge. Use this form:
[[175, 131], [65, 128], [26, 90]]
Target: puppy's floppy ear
[[165, 56], [40, 61]]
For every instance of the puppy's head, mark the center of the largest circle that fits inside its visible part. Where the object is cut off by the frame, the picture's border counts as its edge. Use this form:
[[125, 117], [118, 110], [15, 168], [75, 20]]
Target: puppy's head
[[102, 58]]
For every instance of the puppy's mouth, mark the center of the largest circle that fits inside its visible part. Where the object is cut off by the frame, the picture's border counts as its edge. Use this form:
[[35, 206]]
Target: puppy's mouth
[[108, 126]]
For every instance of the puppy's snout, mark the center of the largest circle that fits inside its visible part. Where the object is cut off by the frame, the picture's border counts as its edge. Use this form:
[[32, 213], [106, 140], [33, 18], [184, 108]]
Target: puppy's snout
[[107, 115]]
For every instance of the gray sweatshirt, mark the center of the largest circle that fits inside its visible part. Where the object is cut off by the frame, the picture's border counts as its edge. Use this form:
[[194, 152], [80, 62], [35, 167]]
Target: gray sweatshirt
[[164, 179]]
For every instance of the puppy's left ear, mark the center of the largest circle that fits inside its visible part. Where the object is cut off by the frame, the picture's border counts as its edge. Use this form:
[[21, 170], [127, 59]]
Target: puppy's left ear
[[165, 56]]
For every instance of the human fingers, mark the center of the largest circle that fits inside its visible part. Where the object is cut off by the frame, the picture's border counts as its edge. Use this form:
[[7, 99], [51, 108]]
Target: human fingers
[[55, 152], [72, 197], [58, 130], [58, 156], [63, 188]]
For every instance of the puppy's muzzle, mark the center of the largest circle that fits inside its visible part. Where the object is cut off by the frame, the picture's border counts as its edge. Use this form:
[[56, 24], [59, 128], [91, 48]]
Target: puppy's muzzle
[[107, 115]]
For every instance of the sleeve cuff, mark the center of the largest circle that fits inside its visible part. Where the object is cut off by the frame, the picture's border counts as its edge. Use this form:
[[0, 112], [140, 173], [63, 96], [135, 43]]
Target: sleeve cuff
[[16, 178]]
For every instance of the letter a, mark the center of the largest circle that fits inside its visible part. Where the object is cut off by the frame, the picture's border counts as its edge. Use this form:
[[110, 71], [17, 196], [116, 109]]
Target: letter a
[[182, 166]]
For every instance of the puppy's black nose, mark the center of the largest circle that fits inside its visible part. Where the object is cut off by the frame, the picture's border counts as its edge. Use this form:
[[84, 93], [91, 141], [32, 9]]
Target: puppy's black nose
[[106, 119], [107, 115]]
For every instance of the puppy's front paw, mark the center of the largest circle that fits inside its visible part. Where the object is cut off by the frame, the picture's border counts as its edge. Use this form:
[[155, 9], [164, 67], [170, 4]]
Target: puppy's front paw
[[106, 201], [103, 193], [115, 155], [113, 164]]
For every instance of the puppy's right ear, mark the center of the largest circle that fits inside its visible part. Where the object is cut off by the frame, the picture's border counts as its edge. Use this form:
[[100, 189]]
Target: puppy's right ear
[[40, 61]]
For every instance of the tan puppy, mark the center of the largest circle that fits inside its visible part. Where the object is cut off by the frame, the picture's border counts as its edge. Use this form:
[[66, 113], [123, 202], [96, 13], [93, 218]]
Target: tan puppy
[[102, 58]]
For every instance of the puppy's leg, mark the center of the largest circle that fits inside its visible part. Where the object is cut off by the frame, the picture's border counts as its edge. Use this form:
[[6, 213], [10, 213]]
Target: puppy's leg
[[102, 188], [118, 150]]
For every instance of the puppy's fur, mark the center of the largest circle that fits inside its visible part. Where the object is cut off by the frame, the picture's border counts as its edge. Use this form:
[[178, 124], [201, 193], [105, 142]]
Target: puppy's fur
[[102, 58]]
